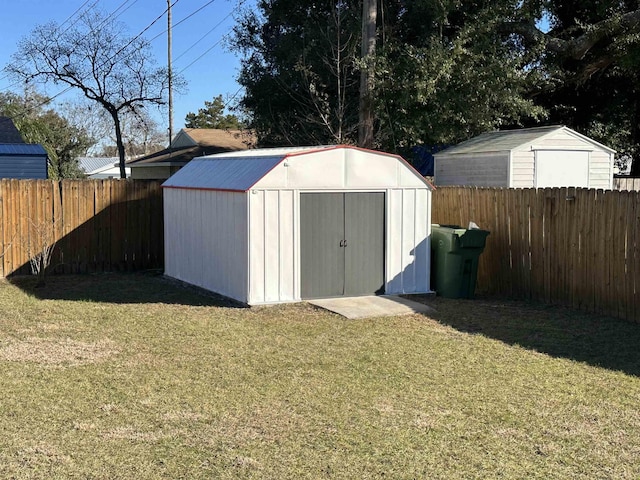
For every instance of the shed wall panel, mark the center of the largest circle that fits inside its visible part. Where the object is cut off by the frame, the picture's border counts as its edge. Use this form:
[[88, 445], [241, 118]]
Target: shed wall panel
[[272, 246], [408, 237], [323, 170], [206, 240], [150, 173], [522, 169], [256, 246], [273, 250], [560, 139], [287, 256], [23, 167], [481, 169], [395, 225], [601, 170], [407, 249], [370, 171]]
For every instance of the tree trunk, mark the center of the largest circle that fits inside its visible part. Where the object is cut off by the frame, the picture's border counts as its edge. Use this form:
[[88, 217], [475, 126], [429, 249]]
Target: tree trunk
[[365, 127], [119, 143]]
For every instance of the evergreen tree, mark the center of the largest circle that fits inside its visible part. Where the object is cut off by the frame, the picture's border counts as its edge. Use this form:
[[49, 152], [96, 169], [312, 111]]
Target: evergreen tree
[[213, 116]]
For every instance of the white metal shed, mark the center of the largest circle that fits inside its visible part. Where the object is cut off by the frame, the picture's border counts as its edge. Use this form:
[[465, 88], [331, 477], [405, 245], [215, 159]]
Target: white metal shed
[[541, 157], [283, 225]]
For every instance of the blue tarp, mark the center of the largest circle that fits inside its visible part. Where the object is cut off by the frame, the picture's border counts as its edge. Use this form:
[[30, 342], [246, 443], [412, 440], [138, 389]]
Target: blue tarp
[[423, 158]]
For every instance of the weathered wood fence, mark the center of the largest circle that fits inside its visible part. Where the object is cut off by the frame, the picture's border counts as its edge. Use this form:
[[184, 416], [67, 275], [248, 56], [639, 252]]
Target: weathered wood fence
[[626, 183], [98, 225], [576, 247]]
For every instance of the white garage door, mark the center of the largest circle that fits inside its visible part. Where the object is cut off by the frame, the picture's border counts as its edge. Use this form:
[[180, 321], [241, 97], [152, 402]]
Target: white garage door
[[557, 168]]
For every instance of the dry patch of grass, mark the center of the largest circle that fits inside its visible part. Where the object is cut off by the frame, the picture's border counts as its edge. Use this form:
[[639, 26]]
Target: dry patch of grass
[[167, 383], [56, 351]]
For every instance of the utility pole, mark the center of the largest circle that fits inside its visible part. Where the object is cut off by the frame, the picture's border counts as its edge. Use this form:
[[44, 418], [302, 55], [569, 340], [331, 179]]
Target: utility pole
[[170, 72], [365, 125]]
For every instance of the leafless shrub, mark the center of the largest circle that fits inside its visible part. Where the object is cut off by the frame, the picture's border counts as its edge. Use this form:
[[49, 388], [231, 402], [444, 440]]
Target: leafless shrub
[[39, 245]]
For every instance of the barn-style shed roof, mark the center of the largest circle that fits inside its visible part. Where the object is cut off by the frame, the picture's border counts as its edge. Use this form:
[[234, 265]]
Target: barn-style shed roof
[[505, 140], [242, 170]]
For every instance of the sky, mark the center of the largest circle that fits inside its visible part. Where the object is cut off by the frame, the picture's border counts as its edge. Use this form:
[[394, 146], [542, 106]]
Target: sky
[[200, 53]]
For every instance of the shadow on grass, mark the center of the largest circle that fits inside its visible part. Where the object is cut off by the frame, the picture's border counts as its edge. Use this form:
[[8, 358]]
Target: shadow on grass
[[121, 288], [558, 331]]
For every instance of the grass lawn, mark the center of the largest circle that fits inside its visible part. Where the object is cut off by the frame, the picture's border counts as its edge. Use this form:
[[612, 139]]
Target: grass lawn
[[132, 376]]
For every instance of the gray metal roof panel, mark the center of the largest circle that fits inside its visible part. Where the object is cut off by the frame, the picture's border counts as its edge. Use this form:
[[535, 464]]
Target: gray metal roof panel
[[94, 164], [223, 172], [21, 149]]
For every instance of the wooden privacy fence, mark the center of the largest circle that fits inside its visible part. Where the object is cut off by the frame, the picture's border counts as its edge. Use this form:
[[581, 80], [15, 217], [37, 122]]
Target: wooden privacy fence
[[98, 225], [626, 183], [576, 247]]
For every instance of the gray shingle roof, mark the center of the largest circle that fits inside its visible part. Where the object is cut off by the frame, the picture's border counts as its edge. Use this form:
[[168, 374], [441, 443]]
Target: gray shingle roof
[[505, 140], [500, 141]]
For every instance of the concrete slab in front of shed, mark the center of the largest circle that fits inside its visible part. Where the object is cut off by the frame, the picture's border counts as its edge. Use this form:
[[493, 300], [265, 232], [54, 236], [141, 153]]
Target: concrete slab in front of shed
[[371, 306]]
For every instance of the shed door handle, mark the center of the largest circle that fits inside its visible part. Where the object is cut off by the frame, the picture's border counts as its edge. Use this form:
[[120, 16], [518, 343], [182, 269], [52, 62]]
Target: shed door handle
[[343, 243]]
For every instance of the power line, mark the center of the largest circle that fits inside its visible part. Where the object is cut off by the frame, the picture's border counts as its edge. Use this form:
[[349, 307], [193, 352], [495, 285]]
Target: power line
[[109, 59], [180, 21], [79, 8], [142, 32], [192, 14], [205, 35], [206, 51], [90, 7], [14, 84], [121, 6]]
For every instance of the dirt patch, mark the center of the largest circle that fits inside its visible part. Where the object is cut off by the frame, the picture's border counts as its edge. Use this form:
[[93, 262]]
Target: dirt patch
[[57, 351]]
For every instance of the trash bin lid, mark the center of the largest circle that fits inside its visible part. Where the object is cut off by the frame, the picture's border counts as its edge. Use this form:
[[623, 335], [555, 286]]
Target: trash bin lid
[[474, 238], [462, 237]]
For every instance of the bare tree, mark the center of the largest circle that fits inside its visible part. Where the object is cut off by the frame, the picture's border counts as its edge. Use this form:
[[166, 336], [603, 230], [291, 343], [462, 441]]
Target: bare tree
[[97, 58], [140, 132]]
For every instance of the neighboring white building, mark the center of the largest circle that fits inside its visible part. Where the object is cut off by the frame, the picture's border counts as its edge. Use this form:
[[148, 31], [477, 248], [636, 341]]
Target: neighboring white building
[[102, 167], [283, 225], [541, 157]]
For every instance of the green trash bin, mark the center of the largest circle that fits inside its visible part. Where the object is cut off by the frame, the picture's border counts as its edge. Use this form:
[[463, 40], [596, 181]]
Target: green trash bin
[[454, 259]]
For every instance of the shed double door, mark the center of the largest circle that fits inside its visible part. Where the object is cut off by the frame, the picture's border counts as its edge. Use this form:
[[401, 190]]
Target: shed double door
[[341, 244]]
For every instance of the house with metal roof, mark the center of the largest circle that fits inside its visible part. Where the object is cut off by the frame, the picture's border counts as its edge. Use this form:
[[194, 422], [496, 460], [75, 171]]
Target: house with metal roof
[[287, 224], [102, 167], [553, 156], [19, 159], [186, 145]]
